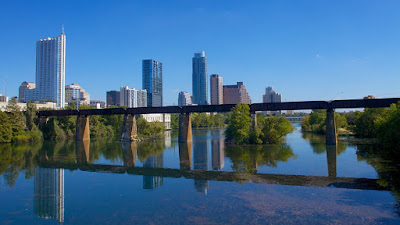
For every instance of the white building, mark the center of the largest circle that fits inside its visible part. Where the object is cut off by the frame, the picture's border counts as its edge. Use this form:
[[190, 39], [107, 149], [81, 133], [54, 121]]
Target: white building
[[22, 106], [74, 93], [159, 117], [50, 71], [184, 98], [133, 98]]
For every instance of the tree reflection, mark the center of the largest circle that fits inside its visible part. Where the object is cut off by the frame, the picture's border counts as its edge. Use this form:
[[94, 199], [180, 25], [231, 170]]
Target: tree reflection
[[248, 158], [318, 145], [150, 148]]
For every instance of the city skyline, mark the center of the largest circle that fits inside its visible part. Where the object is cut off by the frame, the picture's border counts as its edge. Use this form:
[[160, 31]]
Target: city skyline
[[300, 51]]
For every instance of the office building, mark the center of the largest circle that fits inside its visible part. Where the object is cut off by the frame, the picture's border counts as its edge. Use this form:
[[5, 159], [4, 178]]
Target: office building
[[184, 98], [48, 198], [74, 93], [216, 90], [98, 104], [199, 78], [24, 86], [152, 82], [132, 98], [271, 96], [113, 98], [3, 98], [164, 118], [50, 71], [235, 94]]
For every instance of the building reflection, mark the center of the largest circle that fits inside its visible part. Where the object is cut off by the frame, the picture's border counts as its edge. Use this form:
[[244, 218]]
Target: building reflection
[[200, 162], [154, 161], [49, 194], [217, 154]]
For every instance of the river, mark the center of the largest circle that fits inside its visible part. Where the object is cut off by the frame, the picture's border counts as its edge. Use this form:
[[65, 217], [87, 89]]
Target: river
[[205, 182]]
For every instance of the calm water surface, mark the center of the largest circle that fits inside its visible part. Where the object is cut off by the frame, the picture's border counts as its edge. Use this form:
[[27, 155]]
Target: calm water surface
[[206, 182]]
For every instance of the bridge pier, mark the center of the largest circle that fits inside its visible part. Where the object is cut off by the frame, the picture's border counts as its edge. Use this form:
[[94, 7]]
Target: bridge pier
[[254, 120], [185, 128], [129, 153], [43, 122], [331, 136], [129, 129], [331, 156], [82, 152], [82, 128]]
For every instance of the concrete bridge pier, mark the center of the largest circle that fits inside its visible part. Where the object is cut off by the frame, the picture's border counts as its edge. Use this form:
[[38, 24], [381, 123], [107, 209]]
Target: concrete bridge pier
[[43, 122], [82, 128], [129, 128], [331, 136], [185, 128], [185, 155]]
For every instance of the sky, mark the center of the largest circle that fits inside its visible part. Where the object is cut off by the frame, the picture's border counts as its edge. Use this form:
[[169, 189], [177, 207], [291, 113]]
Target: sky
[[306, 50]]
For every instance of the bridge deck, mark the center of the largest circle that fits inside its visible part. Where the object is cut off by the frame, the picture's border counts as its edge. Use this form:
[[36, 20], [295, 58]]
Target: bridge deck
[[336, 104]]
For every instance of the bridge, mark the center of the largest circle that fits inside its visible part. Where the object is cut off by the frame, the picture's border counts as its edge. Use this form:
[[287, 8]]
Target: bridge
[[82, 162], [185, 126]]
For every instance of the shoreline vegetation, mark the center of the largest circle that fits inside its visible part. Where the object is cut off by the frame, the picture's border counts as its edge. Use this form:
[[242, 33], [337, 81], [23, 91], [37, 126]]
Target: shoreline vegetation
[[381, 125]]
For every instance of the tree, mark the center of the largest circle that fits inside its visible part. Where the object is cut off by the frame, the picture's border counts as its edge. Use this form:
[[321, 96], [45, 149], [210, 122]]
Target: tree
[[274, 129], [239, 124], [388, 128], [5, 128], [365, 123], [17, 118]]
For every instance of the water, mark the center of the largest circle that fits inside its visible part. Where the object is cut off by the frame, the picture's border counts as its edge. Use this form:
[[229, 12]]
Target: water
[[206, 182]]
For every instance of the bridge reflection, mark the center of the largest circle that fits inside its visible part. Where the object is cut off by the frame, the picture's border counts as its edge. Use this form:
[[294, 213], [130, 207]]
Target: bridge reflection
[[244, 162]]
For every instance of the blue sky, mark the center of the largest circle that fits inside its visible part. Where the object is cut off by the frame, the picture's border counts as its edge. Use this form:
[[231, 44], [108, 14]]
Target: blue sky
[[305, 50]]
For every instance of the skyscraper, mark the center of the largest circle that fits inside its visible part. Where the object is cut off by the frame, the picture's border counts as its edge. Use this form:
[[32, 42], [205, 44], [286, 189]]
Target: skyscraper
[[50, 71], [152, 82], [235, 94], [217, 93], [113, 98], [184, 98], [132, 98], [24, 86], [199, 78]]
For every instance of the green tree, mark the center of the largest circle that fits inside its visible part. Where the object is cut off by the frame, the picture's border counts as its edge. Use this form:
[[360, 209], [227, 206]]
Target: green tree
[[365, 123], [239, 124], [17, 118], [274, 129], [5, 128], [388, 128]]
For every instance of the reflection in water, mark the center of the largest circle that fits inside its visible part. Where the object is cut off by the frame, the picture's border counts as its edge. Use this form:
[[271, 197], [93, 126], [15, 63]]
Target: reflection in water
[[185, 155], [82, 152], [318, 145], [217, 153], [49, 194], [129, 152], [331, 154], [200, 162], [151, 182]]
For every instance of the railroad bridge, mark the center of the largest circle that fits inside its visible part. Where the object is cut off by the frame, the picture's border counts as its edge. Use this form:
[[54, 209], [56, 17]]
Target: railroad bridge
[[185, 126]]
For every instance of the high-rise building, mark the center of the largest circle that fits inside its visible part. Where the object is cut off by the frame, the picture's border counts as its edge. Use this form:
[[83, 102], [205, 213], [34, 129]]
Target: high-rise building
[[152, 82], [271, 96], [74, 93], [199, 78], [216, 89], [132, 98], [24, 86], [184, 98], [113, 98], [50, 71], [48, 199], [200, 162], [235, 94]]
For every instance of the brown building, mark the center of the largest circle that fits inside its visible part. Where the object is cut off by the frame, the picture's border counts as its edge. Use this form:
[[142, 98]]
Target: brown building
[[216, 89], [113, 98], [234, 94], [25, 85]]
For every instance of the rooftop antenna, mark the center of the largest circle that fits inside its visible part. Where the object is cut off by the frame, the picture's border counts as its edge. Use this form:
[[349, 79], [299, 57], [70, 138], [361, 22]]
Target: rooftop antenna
[[62, 29]]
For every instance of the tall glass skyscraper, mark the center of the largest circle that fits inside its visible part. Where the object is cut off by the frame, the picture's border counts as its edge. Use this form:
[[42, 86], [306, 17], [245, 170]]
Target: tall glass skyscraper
[[199, 79], [50, 71], [152, 82]]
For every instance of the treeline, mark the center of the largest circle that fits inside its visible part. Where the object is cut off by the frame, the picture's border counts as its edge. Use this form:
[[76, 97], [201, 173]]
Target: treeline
[[203, 120], [17, 126], [380, 123], [267, 130]]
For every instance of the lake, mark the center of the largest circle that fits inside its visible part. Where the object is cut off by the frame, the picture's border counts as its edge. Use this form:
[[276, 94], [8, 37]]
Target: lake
[[204, 182]]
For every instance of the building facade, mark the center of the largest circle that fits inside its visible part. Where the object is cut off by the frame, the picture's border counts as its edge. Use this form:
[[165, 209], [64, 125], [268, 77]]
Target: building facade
[[133, 98], [98, 104], [216, 90], [24, 86], [113, 98], [50, 71], [271, 96], [184, 98], [199, 78], [74, 93], [152, 82], [164, 118], [235, 94]]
